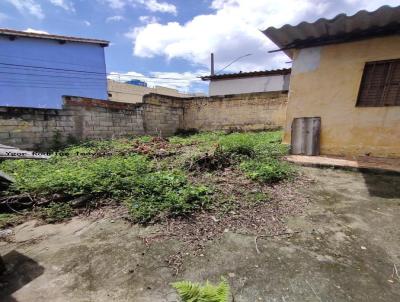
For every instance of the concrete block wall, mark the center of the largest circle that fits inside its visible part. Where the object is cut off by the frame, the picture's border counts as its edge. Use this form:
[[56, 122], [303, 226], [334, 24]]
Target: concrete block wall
[[82, 118], [163, 115], [249, 111], [79, 119]]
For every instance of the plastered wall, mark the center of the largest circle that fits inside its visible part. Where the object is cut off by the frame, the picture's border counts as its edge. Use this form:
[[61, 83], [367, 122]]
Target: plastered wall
[[325, 83]]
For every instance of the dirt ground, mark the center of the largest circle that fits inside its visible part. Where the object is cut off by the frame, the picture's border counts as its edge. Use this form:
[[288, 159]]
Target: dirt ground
[[344, 247]]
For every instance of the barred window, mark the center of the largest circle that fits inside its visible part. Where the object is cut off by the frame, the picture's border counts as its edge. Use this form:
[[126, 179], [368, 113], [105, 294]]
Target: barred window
[[380, 84]]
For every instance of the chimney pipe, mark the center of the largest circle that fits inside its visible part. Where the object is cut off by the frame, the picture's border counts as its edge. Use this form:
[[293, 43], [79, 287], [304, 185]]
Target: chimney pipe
[[212, 64]]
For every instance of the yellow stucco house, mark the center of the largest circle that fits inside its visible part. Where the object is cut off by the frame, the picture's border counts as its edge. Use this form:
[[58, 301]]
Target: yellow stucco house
[[346, 71]]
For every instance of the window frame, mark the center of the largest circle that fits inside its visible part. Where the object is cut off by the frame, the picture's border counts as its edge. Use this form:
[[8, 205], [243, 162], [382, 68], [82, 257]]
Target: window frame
[[381, 101]]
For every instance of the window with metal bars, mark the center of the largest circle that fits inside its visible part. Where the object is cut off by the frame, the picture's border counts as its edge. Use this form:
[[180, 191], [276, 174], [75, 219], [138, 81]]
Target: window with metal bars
[[380, 84]]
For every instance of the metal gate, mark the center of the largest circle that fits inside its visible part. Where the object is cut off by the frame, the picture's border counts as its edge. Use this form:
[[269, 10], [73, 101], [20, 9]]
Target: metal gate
[[306, 135]]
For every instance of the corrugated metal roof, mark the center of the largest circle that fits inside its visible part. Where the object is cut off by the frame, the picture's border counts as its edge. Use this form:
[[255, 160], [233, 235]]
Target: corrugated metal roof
[[17, 33], [247, 74], [342, 28]]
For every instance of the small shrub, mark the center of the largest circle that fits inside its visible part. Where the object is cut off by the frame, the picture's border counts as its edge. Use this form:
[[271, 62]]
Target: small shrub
[[165, 193], [271, 170], [239, 144], [56, 212], [195, 292]]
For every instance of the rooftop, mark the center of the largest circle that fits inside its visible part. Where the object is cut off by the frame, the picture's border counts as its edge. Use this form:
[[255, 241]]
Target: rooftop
[[340, 29], [12, 34], [250, 74]]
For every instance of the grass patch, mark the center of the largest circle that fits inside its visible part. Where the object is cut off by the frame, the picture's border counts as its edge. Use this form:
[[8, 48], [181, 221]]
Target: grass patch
[[75, 176], [269, 171]]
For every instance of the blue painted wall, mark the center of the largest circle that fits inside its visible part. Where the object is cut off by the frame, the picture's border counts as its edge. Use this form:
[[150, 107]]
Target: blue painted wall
[[43, 88]]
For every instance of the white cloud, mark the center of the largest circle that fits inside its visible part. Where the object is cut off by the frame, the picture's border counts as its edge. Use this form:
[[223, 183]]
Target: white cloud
[[114, 19], [185, 81], [117, 4], [233, 29], [30, 6], [151, 5], [87, 23], [64, 4], [148, 19], [155, 6], [36, 31]]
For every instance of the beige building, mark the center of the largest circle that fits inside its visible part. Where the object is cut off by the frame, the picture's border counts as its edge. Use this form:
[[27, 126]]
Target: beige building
[[128, 93], [346, 71]]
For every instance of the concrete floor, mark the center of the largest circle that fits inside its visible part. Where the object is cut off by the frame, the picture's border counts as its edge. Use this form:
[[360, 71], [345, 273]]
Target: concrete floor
[[346, 251]]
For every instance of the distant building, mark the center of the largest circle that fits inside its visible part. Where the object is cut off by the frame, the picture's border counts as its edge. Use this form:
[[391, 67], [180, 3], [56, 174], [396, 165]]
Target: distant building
[[128, 93], [248, 82], [36, 70], [137, 83]]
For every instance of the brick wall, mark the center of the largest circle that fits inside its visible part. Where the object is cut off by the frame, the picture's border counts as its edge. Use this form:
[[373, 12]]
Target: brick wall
[[81, 118]]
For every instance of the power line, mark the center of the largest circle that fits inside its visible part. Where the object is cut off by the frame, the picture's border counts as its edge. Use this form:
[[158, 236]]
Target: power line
[[237, 59], [43, 60], [51, 68], [33, 81], [49, 75], [92, 72], [53, 87]]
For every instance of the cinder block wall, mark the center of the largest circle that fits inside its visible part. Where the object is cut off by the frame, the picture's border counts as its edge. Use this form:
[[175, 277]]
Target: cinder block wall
[[250, 111], [162, 115], [82, 118]]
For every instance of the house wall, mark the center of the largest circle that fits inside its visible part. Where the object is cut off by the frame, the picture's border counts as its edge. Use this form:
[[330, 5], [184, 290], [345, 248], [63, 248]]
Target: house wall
[[251, 111], [43, 88], [249, 85], [325, 83], [128, 93]]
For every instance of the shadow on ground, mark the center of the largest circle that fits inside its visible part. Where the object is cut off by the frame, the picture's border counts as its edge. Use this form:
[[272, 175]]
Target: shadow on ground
[[20, 271], [381, 185]]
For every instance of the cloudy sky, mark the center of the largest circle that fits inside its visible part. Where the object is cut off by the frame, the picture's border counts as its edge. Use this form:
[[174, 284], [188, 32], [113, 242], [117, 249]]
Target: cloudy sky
[[169, 42]]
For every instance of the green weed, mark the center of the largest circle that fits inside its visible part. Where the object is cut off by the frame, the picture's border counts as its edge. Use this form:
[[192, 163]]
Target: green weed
[[165, 193], [270, 171], [195, 292]]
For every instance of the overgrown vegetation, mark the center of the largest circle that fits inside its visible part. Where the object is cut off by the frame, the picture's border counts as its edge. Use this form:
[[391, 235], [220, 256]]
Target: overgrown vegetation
[[152, 176], [56, 212], [195, 292]]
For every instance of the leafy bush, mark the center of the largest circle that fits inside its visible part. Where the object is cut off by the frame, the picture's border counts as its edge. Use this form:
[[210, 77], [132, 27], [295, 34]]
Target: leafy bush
[[271, 170], [167, 193], [239, 144], [74, 176], [57, 212], [194, 292]]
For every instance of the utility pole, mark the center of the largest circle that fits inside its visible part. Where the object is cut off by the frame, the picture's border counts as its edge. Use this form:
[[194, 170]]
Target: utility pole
[[212, 64]]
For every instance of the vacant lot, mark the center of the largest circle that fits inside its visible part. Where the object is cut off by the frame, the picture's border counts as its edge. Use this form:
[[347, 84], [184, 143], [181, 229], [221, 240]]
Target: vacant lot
[[197, 208]]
